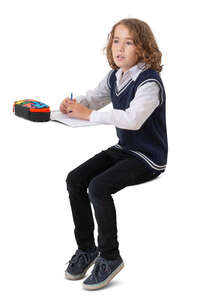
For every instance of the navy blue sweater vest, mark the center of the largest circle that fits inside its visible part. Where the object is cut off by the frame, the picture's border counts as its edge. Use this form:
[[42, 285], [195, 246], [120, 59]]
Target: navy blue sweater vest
[[149, 143]]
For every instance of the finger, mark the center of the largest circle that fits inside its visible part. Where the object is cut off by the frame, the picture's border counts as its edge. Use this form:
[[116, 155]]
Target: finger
[[68, 103], [62, 108], [66, 100], [70, 106], [65, 105], [72, 101]]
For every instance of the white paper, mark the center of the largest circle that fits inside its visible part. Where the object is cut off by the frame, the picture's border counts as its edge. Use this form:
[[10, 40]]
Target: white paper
[[73, 122]]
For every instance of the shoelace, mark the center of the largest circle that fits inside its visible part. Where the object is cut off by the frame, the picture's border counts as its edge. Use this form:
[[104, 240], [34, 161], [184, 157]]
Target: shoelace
[[80, 257], [101, 267]]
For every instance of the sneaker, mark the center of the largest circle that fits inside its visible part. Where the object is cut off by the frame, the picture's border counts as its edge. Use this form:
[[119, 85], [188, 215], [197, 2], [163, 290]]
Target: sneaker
[[80, 262], [103, 272]]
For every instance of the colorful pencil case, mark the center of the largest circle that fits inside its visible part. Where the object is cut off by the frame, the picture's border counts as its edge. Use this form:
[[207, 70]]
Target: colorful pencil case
[[32, 110]]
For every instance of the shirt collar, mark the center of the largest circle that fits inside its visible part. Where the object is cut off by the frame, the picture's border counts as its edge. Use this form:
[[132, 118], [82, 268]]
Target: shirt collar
[[133, 72]]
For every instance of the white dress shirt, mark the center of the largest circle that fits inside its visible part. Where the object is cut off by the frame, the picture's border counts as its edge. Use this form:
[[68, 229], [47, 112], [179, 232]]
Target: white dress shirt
[[145, 101]]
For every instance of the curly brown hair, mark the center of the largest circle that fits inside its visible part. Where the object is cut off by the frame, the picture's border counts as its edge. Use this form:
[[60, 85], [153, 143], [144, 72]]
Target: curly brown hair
[[144, 40]]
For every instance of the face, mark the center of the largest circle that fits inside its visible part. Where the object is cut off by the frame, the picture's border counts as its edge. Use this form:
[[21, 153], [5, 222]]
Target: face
[[123, 48]]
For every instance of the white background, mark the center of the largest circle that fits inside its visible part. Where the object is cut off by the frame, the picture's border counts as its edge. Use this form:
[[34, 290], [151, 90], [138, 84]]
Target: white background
[[50, 49]]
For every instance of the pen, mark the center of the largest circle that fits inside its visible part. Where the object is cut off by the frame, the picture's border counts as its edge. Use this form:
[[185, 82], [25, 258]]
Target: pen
[[71, 97]]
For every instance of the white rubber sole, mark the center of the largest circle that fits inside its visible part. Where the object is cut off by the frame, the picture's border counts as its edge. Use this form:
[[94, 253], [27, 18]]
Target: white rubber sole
[[106, 281], [79, 276]]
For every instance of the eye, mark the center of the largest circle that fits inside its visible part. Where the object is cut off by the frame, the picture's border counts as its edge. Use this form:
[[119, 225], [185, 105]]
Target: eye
[[115, 41], [129, 43]]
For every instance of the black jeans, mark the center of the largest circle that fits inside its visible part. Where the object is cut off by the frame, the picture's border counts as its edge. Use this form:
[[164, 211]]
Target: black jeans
[[104, 174]]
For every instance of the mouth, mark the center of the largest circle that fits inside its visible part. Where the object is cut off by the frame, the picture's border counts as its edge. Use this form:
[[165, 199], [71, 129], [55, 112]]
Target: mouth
[[120, 57]]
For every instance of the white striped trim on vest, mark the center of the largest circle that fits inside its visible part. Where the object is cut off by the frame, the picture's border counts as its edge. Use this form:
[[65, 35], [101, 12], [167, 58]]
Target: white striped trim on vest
[[122, 89], [151, 163], [109, 75], [160, 86], [128, 83]]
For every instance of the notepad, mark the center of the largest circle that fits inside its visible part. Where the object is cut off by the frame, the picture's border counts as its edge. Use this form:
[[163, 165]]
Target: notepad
[[72, 122]]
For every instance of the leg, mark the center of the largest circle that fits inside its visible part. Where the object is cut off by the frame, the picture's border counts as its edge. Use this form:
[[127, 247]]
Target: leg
[[126, 172], [77, 183]]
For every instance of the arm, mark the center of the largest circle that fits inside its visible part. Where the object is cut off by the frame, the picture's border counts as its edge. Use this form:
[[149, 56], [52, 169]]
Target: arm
[[82, 106], [141, 107], [96, 98]]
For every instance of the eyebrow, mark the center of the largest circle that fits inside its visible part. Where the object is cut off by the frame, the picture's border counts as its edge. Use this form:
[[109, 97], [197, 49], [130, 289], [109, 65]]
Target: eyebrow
[[127, 38]]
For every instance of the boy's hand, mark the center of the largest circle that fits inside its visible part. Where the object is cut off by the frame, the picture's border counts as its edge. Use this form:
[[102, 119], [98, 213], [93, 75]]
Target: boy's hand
[[64, 105], [77, 110]]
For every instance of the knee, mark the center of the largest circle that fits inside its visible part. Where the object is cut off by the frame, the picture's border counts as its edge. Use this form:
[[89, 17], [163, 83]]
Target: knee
[[73, 179], [96, 189]]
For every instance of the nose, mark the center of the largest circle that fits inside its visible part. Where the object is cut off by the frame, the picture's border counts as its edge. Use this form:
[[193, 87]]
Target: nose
[[121, 47]]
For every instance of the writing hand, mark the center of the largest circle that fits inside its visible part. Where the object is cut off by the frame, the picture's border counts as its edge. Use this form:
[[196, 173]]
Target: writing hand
[[78, 110]]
